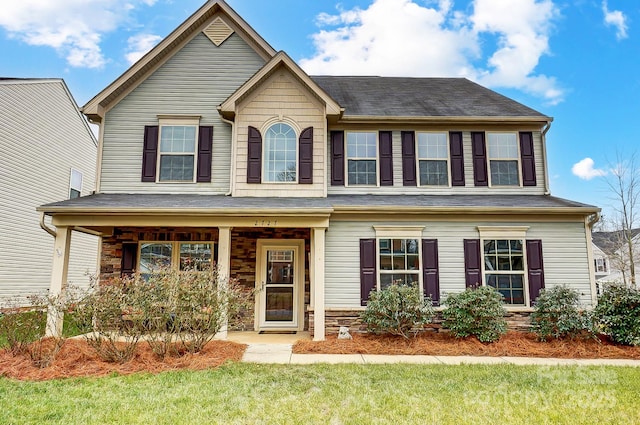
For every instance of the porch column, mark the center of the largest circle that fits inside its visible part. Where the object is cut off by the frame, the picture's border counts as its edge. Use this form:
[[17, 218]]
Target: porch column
[[59, 271], [224, 264], [317, 281]]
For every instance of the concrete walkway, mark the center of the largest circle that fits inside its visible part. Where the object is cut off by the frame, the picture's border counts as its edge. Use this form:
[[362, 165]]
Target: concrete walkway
[[282, 354]]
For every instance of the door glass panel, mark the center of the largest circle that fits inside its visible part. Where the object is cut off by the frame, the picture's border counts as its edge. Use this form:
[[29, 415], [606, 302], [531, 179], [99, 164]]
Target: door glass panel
[[279, 304], [279, 285], [279, 267]]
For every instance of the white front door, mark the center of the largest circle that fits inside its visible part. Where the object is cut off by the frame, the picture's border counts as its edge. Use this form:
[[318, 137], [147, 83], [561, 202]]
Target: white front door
[[279, 280]]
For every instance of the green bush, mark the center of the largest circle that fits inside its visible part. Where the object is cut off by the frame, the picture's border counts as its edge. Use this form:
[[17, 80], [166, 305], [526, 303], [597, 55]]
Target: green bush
[[397, 310], [557, 314], [618, 314], [476, 311]]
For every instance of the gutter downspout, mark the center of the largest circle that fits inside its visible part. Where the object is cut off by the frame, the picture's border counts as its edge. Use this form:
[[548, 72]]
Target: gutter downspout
[[233, 155], [544, 157], [46, 228]]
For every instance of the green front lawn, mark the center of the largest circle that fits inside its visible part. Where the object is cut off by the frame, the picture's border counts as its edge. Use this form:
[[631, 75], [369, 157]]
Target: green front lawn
[[334, 394]]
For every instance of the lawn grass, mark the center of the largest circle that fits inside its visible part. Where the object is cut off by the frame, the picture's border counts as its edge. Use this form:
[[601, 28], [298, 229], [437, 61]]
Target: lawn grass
[[242, 393]]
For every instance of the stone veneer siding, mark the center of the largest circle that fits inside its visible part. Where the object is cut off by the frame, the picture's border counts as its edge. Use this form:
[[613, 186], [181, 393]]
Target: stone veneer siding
[[518, 321]]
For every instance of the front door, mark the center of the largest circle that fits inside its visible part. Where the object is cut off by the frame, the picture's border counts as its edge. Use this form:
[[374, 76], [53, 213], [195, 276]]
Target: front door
[[279, 281]]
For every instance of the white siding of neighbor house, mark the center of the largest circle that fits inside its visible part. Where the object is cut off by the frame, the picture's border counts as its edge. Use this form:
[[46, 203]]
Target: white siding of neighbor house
[[563, 244], [468, 188], [42, 136], [281, 98], [194, 81]]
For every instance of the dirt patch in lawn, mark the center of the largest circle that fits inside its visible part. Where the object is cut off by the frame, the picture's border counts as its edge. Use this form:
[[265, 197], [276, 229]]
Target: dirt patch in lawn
[[76, 358], [513, 344]]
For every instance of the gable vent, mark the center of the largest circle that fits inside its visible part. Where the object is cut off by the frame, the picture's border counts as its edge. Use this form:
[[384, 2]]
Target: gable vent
[[218, 31]]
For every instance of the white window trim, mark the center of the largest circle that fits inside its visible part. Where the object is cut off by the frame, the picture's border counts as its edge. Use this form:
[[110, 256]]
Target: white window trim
[[507, 233], [518, 159], [347, 158], [173, 120], [175, 251], [71, 187], [448, 159], [398, 232], [297, 132]]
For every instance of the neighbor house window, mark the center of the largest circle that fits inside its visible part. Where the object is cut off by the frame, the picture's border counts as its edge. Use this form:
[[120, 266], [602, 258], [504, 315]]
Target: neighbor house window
[[433, 159], [399, 262], [75, 184], [362, 154], [503, 159], [183, 256], [280, 154], [601, 265], [504, 268], [177, 152]]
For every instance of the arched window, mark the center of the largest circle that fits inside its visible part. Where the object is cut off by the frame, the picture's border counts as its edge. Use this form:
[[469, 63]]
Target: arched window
[[280, 154]]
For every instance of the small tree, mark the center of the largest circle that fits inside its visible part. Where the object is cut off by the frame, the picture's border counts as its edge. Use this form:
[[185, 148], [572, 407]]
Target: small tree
[[397, 310]]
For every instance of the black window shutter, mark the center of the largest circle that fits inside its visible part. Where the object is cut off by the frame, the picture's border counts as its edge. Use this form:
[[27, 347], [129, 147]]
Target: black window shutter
[[305, 157], [409, 158], [472, 263], [129, 259], [430, 273], [457, 159], [535, 269], [367, 269], [386, 158], [337, 158], [528, 159], [150, 153], [205, 142], [479, 150], [254, 156]]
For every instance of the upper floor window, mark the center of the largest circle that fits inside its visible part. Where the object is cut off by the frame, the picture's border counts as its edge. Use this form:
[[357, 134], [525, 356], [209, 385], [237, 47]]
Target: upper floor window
[[503, 159], [177, 152], [433, 159], [280, 154], [75, 184], [601, 265], [362, 154]]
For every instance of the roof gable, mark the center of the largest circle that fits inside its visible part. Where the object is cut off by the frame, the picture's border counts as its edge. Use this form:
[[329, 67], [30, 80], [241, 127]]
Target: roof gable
[[215, 19]]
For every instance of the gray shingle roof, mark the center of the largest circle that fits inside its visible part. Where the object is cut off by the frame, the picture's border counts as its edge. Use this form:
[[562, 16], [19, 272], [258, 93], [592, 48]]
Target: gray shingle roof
[[186, 202], [419, 97]]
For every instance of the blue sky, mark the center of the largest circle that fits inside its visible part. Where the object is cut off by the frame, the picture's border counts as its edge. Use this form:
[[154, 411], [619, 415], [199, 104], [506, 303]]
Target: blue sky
[[575, 60]]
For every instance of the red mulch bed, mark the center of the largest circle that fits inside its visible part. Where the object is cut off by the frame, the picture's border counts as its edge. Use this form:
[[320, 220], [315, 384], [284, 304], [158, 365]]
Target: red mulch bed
[[76, 358], [513, 344]]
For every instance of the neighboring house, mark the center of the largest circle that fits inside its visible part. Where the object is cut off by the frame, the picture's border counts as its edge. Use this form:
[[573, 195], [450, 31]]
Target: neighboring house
[[47, 153], [611, 256], [318, 190]]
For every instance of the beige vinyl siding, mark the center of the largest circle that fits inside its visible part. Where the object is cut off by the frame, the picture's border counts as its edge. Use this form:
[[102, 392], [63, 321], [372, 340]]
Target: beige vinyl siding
[[193, 82], [563, 243], [281, 98], [42, 136], [468, 188]]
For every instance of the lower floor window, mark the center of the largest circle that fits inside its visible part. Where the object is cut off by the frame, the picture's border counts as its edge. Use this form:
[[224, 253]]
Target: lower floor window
[[180, 255], [399, 262], [504, 268]]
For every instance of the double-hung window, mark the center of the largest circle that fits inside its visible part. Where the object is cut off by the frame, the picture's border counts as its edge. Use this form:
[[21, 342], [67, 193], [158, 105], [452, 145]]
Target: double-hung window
[[362, 158], [177, 150], [399, 261], [280, 154], [183, 256], [433, 159], [75, 184], [504, 159], [601, 265]]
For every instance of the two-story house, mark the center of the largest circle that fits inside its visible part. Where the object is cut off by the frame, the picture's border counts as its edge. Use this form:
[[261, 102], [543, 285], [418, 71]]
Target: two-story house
[[47, 153], [317, 190]]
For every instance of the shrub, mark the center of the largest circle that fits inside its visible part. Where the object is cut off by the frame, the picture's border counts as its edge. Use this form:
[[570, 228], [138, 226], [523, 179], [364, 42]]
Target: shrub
[[476, 311], [618, 314], [397, 310], [557, 314]]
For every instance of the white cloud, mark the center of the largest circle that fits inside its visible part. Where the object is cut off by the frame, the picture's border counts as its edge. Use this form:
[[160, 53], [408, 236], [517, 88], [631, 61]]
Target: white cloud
[[405, 38], [73, 27], [139, 45], [616, 19], [584, 169]]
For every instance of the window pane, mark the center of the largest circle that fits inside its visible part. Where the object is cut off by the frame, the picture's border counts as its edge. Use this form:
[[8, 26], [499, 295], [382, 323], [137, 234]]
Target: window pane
[[176, 167], [361, 172], [511, 286], [178, 139], [281, 155], [154, 256], [361, 145], [504, 173], [434, 173], [502, 145], [195, 256]]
